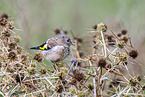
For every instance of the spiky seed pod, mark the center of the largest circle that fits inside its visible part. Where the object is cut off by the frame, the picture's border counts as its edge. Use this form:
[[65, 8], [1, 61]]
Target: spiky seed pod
[[12, 45], [111, 40], [19, 49], [124, 38], [78, 75], [59, 88], [6, 33], [5, 15], [143, 87], [123, 57], [17, 38], [102, 27], [133, 82], [57, 31], [72, 90], [64, 69], [10, 26], [31, 70], [61, 75], [91, 86], [65, 32], [64, 82], [121, 44], [12, 55], [102, 62], [138, 78], [43, 70], [133, 54], [24, 57], [95, 26], [119, 34], [73, 81], [19, 77], [3, 20], [33, 64], [38, 57], [124, 32]]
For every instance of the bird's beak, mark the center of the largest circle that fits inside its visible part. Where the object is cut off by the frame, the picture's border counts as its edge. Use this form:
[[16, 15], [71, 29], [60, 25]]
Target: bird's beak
[[41, 47]]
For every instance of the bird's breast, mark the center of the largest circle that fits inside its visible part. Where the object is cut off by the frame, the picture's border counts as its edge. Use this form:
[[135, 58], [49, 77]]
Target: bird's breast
[[54, 54]]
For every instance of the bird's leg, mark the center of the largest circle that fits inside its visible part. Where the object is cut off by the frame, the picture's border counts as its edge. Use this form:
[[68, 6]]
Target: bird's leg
[[71, 67]]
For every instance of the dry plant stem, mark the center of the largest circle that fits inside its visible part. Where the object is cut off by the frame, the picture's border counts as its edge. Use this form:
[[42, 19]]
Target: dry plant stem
[[99, 82], [105, 51], [114, 34]]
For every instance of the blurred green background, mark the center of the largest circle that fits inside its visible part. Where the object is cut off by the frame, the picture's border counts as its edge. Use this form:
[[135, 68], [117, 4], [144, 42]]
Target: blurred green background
[[35, 20]]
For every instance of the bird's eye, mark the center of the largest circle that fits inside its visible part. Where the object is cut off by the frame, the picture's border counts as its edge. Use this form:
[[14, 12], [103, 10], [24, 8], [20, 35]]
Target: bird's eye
[[68, 40]]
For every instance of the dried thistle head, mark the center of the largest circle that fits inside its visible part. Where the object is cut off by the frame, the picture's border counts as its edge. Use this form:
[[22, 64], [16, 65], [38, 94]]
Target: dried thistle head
[[12, 55], [133, 82], [119, 34], [10, 26], [38, 57], [61, 75], [124, 32], [59, 88], [5, 15], [121, 44], [91, 86], [73, 81], [33, 64], [6, 33], [12, 45], [102, 27], [19, 49], [19, 77], [123, 57], [133, 53], [57, 31], [43, 70], [138, 78], [72, 90], [65, 32], [3, 19], [102, 62], [95, 26], [78, 75], [17, 38], [24, 57], [31, 70], [124, 38]]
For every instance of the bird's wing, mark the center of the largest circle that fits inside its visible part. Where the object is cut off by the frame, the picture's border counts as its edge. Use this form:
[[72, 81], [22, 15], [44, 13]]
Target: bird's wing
[[52, 42]]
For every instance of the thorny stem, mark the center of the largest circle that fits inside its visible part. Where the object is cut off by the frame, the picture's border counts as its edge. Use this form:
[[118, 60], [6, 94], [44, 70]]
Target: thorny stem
[[94, 80], [105, 51], [99, 82]]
